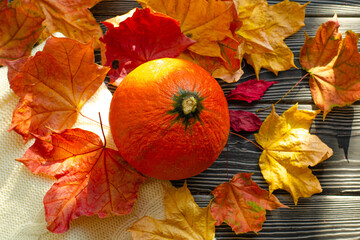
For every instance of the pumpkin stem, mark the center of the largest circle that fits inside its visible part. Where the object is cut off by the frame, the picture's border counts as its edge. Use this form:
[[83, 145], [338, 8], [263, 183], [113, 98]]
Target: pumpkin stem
[[189, 105]]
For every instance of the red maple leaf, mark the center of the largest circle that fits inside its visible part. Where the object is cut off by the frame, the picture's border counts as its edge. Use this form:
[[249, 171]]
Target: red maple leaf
[[144, 36], [91, 179], [244, 121], [250, 90], [242, 204]]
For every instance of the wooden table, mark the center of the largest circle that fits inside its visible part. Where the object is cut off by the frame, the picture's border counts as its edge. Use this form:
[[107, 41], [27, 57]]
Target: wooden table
[[332, 214]]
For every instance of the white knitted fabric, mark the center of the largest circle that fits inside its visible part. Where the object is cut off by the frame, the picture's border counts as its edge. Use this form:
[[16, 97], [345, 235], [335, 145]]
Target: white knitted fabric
[[22, 213]]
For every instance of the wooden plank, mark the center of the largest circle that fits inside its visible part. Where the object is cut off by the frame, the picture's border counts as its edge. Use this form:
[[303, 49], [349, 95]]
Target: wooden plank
[[321, 8], [341, 122], [296, 40], [114, 7], [318, 217], [337, 175], [318, 8]]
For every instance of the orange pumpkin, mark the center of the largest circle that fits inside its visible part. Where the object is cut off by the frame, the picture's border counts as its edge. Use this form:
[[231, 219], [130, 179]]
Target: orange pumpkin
[[169, 119]]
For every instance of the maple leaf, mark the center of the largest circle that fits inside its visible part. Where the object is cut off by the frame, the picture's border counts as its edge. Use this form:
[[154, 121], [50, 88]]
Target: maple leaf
[[72, 18], [242, 204], [115, 21], [19, 32], [250, 90], [53, 86], [280, 59], [250, 13], [289, 149], [140, 38], [184, 219], [244, 121], [91, 179], [334, 66], [232, 55], [14, 67], [228, 67], [206, 22], [264, 29]]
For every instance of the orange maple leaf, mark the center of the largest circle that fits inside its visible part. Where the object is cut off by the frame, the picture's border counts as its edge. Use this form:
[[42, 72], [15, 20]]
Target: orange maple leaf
[[19, 32], [91, 179], [72, 18], [228, 67], [242, 204], [53, 86], [334, 66]]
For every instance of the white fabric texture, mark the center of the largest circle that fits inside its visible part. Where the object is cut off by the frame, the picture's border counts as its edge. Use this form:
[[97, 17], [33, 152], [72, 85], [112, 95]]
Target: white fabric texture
[[22, 213]]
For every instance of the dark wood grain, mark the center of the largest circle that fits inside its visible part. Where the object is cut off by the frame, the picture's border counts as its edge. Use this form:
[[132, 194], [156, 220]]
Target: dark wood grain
[[317, 8], [332, 214], [337, 175], [310, 219]]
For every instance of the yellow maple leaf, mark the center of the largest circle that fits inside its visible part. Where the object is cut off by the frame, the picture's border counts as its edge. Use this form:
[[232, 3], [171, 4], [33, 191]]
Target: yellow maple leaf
[[185, 220], [250, 13], [205, 21], [264, 29], [289, 149], [280, 59]]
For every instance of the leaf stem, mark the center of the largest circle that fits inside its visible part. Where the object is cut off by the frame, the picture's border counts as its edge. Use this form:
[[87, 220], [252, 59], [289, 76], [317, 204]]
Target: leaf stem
[[247, 140], [94, 120], [264, 109], [102, 130]]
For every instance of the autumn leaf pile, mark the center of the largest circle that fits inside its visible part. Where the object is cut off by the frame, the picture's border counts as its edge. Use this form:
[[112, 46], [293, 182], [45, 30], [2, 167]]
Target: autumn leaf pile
[[54, 84], [24, 22]]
